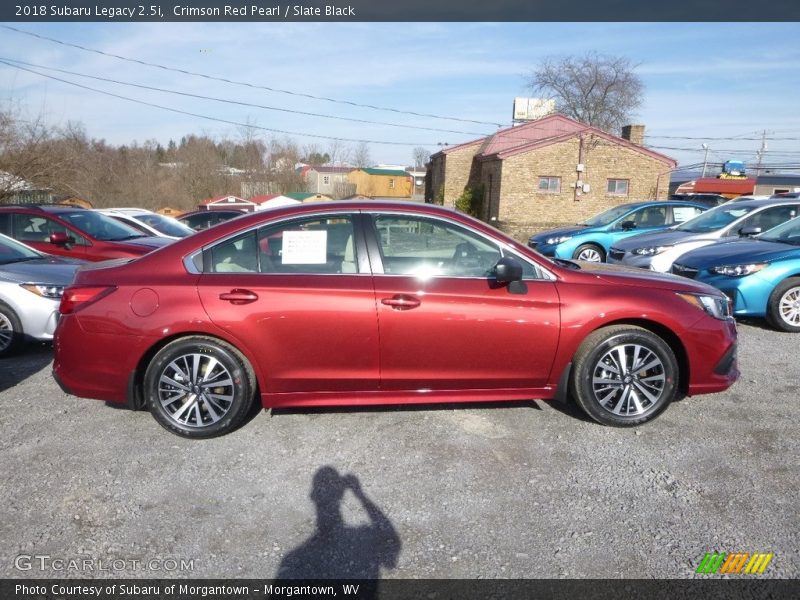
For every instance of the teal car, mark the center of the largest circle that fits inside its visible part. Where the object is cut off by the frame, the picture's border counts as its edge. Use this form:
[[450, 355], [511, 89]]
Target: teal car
[[760, 275], [591, 240]]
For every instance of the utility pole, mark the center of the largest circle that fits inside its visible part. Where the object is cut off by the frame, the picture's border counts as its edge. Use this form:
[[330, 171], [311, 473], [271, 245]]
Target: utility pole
[[705, 160], [761, 152]]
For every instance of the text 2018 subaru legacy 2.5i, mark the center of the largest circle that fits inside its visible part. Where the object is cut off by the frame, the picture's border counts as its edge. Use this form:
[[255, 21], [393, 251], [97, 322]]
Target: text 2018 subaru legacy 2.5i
[[370, 302]]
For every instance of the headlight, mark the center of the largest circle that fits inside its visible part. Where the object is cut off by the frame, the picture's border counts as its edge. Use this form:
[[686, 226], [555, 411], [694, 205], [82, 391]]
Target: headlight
[[558, 239], [738, 270], [718, 307], [649, 250], [45, 290]]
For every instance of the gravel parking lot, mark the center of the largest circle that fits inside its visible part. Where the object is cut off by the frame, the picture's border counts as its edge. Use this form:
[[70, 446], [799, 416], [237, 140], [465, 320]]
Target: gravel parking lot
[[526, 490]]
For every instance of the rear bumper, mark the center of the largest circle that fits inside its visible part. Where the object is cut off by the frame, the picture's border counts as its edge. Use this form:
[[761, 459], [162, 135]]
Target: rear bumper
[[94, 365]]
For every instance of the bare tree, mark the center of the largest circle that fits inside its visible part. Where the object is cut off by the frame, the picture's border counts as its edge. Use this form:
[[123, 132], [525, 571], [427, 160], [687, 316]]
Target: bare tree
[[361, 156], [421, 156], [283, 157], [338, 152], [595, 89], [28, 155]]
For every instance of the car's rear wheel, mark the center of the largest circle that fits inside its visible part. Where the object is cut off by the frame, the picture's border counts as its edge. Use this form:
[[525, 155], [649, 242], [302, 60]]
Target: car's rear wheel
[[199, 387], [590, 253], [624, 375], [783, 308], [10, 330]]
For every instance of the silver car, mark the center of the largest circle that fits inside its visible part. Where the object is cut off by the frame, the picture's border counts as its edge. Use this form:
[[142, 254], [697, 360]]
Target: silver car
[[31, 285], [149, 222]]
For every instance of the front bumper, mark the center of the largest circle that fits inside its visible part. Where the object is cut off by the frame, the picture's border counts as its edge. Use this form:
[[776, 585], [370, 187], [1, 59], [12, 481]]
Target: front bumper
[[712, 351]]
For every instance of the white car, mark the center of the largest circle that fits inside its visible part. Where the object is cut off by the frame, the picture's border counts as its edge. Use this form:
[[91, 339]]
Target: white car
[[149, 222], [657, 251], [31, 285]]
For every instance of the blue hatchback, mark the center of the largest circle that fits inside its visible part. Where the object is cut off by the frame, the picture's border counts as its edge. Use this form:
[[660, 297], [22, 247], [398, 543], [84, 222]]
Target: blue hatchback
[[591, 240], [760, 275]]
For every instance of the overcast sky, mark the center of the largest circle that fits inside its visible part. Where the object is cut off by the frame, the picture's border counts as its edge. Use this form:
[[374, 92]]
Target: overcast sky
[[702, 81]]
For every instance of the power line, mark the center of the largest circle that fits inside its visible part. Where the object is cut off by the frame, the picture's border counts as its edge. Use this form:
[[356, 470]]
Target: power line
[[199, 116], [236, 102], [247, 84], [717, 139]]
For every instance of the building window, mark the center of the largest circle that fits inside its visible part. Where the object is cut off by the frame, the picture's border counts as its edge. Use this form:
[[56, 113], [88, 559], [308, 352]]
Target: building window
[[391, 184], [550, 185], [617, 187], [326, 180]]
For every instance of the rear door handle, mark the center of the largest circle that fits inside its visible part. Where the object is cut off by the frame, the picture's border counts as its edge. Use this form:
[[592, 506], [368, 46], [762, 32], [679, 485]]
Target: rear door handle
[[239, 296], [401, 302]]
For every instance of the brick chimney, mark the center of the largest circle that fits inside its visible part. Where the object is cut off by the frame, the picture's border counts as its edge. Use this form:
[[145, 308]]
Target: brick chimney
[[633, 133]]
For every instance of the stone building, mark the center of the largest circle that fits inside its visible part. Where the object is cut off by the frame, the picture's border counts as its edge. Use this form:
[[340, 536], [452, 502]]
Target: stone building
[[548, 172]]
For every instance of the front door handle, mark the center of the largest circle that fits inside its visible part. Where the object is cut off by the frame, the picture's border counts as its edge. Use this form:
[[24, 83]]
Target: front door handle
[[239, 296], [401, 302]]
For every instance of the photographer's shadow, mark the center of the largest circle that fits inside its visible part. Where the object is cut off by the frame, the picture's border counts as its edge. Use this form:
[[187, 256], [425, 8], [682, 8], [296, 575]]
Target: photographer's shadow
[[337, 550]]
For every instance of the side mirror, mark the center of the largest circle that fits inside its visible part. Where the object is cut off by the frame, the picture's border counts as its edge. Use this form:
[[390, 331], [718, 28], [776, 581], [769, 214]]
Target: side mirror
[[627, 225], [749, 231], [507, 269], [59, 238]]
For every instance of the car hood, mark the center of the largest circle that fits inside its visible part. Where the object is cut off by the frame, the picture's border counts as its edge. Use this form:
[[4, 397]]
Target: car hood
[[622, 275], [40, 271], [738, 251], [656, 238], [574, 229]]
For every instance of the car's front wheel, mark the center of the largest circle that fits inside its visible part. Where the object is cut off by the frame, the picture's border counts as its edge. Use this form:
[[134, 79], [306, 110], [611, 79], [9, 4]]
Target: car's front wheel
[[783, 309], [199, 387], [10, 330], [590, 253], [624, 375]]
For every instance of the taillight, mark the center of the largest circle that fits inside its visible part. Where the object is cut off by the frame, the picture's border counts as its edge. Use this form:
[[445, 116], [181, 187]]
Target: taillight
[[81, 296]]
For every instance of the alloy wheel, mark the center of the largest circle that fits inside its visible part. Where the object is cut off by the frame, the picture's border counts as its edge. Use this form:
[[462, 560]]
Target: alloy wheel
[[789, 307], [195, 390], [628, 380], [6, 332]]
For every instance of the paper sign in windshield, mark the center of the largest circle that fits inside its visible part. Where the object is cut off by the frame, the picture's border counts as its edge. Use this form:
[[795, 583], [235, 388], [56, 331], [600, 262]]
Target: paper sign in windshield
[[305, 248]]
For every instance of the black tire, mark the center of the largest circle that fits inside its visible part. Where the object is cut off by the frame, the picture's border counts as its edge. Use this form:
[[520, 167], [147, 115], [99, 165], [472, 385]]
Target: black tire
[[180, 392], [590, 250], [630, 397], [783, 308], [11, 334]]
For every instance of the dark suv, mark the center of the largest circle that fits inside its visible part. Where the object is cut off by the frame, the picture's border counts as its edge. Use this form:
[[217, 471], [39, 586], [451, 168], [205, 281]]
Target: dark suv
[[75, 232]]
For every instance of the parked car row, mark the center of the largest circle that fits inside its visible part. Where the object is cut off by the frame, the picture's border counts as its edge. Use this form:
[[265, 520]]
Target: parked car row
[[41, 247], [592, 239], [703, 248]]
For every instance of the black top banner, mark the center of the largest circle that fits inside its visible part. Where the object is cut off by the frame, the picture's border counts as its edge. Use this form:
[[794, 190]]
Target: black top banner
[[400, 10]]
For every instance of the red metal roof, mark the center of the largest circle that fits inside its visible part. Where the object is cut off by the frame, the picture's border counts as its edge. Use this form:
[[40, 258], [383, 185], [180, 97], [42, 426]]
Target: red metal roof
[[263, 198], [542, 132], [536, 131]]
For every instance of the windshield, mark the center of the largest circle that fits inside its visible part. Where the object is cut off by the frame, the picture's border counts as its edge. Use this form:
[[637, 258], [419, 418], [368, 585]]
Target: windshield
[[606, 217], [785, 233], [12, 251], [714, 219], [99, 226], [165, 225]]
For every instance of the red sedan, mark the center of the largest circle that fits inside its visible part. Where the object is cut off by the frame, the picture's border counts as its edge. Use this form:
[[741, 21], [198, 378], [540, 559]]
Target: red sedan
[[358, 303]]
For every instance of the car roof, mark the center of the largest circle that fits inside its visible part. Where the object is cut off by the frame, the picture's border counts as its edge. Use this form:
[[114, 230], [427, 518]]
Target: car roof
[[50, 208], [763, 202]]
